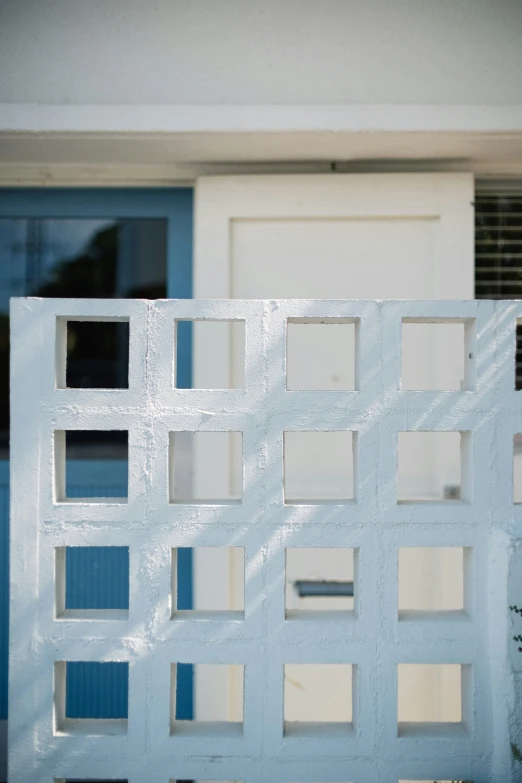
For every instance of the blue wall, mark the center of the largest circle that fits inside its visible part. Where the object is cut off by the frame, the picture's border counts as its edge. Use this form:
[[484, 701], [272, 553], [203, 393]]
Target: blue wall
[[97, 577]]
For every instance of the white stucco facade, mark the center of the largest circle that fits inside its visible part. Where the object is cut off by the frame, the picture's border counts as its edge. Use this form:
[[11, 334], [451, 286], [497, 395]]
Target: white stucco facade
[[123, 92], [232, 53]]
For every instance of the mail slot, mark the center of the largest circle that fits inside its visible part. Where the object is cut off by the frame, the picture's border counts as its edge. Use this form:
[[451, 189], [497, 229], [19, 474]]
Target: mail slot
[[307, 588]]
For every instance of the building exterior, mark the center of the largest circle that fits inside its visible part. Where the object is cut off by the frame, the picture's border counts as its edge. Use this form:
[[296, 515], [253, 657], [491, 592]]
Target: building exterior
[[257, 150]]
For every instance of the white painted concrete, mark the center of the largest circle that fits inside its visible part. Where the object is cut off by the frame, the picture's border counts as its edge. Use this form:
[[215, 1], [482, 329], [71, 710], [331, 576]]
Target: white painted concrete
[[374, 641], [178, 90], [167, 159], [260, 53], [247, 118]]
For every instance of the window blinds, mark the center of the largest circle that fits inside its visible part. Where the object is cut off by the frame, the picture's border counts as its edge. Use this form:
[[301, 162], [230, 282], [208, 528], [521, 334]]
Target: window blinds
[[498, 253]]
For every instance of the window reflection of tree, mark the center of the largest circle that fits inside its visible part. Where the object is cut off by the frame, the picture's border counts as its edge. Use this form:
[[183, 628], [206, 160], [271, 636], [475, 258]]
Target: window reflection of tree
[[97, 353]]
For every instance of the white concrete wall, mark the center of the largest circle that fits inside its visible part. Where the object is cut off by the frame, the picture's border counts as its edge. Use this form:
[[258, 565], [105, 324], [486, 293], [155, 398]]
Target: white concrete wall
[[261, 52], [45, 744]]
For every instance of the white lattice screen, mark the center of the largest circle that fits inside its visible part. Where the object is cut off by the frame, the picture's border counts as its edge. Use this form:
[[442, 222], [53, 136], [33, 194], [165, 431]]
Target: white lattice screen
[[46, 745]]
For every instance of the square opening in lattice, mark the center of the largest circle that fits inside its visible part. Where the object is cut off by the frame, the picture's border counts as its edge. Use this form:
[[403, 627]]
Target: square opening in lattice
[[518, 355], [319, 466], [89, 780], [433, 582], [434, 699], [219, 354], [92, 582], [218, 690], [91, 697], [437, 356], [92, 354], [433, 466], [217, 588], [318, 699], [319, 581], [207, 780], [91, 466], [320, 355], [205, 467]]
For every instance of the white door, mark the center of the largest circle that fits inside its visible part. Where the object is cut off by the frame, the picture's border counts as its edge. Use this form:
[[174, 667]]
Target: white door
[[398, 236]]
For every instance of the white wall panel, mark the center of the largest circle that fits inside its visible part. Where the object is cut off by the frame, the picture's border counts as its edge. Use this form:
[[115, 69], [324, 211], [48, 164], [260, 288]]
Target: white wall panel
[[261, 52]]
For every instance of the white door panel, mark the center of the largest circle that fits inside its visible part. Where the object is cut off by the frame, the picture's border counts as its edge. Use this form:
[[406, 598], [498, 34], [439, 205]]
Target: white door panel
[[404, 236], [344, 258]]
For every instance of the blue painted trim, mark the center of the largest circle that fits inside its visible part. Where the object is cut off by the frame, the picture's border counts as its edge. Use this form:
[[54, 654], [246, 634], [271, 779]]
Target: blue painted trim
[[176, 206], [108, 203], [180, 286]]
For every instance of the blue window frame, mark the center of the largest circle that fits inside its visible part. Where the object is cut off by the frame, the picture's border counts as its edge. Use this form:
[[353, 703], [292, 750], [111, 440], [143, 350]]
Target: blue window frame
[[174, 207]]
